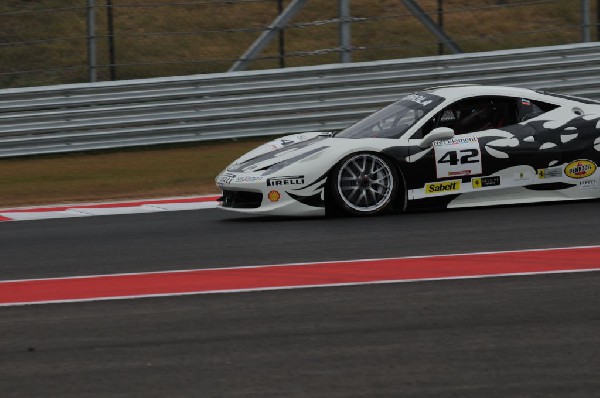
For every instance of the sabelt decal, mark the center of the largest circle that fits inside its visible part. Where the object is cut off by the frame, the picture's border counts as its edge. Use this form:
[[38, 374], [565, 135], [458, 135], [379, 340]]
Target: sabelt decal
[[274, 196], [280, 181], [442, 187], [483, 182], [225, 178], [580, 169], [550, 172]]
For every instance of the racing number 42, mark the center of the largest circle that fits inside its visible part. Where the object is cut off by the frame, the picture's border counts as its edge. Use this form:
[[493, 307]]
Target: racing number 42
[[468, 156]]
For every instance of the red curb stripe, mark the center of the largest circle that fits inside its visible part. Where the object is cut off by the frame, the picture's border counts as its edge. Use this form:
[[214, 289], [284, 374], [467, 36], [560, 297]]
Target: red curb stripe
[[2, 218], [299, 275], [112, 205]]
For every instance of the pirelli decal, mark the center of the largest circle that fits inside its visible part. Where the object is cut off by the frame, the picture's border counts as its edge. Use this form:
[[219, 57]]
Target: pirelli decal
[[442, 187], [279, 181]]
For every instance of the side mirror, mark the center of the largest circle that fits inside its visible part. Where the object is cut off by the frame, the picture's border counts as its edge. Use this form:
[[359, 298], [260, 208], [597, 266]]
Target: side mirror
[[438, 134]]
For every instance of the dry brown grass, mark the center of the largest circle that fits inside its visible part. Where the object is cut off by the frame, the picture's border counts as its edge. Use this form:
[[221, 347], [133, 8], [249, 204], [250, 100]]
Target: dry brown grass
[[173, 40], [117, 175]]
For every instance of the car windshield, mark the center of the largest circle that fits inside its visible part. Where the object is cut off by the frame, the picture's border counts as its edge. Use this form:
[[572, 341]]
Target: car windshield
[[394, 120]]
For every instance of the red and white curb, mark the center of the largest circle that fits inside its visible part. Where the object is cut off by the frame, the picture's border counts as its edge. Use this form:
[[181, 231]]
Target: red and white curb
[[294, 276], [110, 208]]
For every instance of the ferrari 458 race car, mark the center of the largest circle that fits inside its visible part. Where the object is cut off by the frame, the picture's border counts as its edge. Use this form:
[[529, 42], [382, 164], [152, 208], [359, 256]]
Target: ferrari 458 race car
[[449, 147]]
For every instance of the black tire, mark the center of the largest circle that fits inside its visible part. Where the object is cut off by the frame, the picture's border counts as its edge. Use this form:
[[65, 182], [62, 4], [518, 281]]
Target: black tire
[[364, 184]]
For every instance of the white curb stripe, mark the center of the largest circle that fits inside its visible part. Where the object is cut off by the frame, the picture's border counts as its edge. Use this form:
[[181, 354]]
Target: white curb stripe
[[95, 209]]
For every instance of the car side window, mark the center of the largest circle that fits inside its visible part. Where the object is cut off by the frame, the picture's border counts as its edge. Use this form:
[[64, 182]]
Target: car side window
[[529, 109], [474, 114]]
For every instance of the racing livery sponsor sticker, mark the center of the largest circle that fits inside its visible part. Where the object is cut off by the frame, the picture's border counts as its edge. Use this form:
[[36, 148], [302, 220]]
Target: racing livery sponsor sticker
[[419, 99], [285, 141], [522, 176], [249, 179], [550, 172], [279, 181], [274, 196], [483, 182], [225, 178], [580, 169], [442, 187], [588, 184], [459, 156]]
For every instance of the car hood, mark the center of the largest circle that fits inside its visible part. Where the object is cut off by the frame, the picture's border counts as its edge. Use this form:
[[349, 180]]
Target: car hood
[[282, 150]]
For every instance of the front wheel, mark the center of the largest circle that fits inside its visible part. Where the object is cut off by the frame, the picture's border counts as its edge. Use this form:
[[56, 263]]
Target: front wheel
[[364, 184]]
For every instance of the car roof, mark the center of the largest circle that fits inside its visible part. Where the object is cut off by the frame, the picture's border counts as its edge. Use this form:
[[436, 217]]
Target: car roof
[[463, 91], [457, 92]]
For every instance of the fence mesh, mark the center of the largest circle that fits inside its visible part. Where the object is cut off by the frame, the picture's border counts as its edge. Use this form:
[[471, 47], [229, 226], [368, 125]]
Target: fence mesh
[[46, 41]]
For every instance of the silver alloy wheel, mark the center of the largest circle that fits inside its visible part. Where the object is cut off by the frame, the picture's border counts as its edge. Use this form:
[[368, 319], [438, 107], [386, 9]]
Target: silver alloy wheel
[[365, 183]]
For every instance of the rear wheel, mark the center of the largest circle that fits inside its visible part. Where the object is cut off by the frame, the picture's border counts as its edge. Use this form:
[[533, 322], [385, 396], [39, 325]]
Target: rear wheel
[[364, 184]]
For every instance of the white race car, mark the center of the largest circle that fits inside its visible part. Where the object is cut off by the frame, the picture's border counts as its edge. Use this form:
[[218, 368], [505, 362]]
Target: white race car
[[453, 146]]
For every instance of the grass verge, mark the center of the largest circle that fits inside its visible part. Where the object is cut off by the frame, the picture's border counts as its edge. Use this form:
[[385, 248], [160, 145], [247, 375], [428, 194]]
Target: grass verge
[[89, 177]]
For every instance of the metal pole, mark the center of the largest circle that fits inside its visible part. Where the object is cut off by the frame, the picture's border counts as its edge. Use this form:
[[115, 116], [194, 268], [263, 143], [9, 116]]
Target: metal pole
[[597, 20], [418, 12], [440, 11], [91, 41], [111, 40], [585, 21], [281, 37], [264, 39], [344, 29]]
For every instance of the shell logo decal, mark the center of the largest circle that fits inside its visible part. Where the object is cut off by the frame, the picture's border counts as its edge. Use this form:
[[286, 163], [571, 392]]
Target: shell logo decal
[[274, 196], [580, 169]]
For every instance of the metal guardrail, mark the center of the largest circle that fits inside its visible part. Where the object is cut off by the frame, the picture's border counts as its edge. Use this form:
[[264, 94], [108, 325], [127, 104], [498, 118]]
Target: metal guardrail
[[67, 118]]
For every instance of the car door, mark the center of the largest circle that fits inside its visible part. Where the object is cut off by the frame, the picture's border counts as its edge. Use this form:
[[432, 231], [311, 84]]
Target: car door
[[469, 161]]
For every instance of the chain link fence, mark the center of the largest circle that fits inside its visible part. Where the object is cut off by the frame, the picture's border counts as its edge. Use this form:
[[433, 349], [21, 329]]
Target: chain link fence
[[48, 41]]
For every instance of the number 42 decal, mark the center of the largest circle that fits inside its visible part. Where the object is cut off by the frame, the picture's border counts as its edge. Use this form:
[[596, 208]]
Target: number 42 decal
[[467, 156], [458, 157]]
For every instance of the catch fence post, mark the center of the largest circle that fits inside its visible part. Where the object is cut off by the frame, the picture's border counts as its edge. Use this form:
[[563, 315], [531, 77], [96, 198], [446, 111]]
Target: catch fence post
[[91, 41], [440, 19], [344, 30], [111, 39], [281, 37], [585, 21]]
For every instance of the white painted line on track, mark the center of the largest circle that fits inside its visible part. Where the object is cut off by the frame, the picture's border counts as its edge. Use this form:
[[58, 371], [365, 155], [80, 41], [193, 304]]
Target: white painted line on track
[[300, 276], [139, 206], [297, 287]]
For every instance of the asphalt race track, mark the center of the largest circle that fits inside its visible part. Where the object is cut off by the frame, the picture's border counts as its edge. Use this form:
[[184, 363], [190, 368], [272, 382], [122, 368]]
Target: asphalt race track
[[499, 337]]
